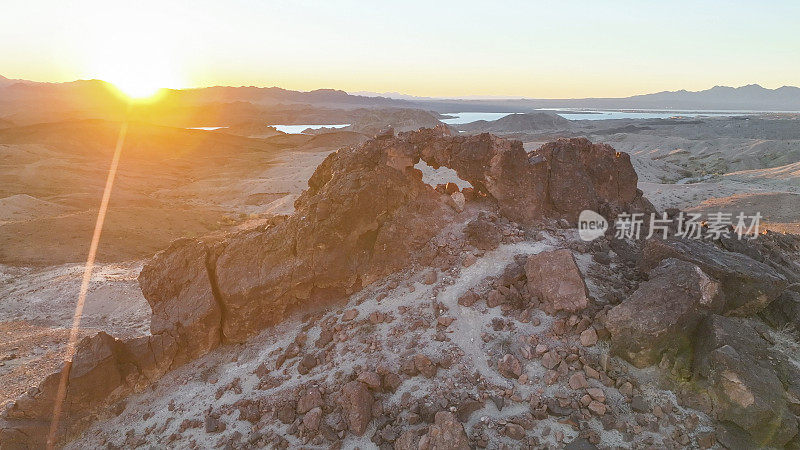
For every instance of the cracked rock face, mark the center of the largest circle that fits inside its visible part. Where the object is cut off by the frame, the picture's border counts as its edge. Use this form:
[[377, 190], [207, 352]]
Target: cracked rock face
[[182, 298]]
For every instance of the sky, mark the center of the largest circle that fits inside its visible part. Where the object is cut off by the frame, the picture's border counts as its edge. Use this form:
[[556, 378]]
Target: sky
[[535, 49]]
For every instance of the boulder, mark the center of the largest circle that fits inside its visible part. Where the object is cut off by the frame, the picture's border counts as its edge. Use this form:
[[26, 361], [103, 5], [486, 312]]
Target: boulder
[[312, 419], [509, 366], [446, 433], [554, 277], [742, 376], [748, 285], [311, 399], [663, 312], [483, 233], [356, 401]]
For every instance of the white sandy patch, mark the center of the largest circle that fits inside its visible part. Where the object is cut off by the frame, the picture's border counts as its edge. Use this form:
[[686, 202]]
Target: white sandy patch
[[48, 297]]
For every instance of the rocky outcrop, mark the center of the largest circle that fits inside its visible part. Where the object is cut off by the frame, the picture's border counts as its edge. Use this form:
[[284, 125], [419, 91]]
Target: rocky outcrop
[[777, 250], [747, 379], [583, 176], [98, 372], [560, 179], [366, 214], [663, 313], [556, 280], [748, 285]]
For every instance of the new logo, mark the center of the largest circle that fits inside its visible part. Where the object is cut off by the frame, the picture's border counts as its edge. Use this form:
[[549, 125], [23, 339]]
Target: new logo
[[591, 225]]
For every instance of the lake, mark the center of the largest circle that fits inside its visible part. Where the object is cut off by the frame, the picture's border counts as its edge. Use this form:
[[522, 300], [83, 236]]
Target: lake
[[606, 115], [297, 129], [467, 117]]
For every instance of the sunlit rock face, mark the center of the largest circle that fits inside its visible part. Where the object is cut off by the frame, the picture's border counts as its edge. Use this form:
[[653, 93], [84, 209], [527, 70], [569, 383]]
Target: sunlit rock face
[[367, 213]]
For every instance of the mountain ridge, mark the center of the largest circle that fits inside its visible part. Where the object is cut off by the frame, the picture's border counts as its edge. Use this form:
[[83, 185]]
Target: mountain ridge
[[751, 97]]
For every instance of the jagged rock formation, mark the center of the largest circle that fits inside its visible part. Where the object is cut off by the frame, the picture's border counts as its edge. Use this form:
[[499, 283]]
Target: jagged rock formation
[[367, 214], [748, 285]]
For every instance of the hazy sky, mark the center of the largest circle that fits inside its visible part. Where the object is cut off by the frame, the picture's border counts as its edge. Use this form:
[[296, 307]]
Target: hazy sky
[[435, 48]]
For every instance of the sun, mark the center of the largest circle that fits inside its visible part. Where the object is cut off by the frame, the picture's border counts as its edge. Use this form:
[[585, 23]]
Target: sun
[[136, 88], [138, 70], [139, 82]]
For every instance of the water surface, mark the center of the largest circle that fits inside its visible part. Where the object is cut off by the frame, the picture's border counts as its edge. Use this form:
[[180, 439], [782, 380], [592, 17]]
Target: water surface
[[298, 129]]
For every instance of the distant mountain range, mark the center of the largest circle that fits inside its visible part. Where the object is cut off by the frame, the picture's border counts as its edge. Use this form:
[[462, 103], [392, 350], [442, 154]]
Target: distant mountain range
[[24, 102], [746, 98]]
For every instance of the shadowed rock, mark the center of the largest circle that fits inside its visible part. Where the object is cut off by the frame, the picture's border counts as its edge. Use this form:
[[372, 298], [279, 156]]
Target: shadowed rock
[[743, 378], [663, 313]]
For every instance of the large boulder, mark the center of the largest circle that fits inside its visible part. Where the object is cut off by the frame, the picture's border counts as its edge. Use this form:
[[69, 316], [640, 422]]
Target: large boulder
[[742, 374], [749, 286], [663, 312], [555, 278]]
